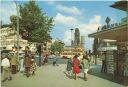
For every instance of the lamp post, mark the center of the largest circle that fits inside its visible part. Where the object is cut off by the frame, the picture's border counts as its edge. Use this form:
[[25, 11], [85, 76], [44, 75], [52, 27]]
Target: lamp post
[[71, 37], [17, 9]]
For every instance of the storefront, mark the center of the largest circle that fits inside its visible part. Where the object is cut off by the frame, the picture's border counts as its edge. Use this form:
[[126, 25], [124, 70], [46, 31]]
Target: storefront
[[117, 61]]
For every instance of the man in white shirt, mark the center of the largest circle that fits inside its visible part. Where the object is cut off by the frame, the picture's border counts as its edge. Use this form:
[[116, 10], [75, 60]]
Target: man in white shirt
[[6, 71]]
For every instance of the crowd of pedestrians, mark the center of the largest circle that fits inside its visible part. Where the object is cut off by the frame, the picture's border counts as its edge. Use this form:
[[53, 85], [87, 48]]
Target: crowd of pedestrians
[[27, 64], [76, 65], [10, 64]]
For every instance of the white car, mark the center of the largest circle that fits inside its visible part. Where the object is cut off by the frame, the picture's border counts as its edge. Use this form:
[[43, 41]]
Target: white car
[[51, 56]]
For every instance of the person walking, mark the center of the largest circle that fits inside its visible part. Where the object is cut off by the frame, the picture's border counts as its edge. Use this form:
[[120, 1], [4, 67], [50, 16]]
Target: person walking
[[69, 66], [27, 65], [45, 59], [28, 52], [55, 61], [6, 68], [14, 63], [86, 65], [22, 65], [33, 67], [104, 65], [76, 63]]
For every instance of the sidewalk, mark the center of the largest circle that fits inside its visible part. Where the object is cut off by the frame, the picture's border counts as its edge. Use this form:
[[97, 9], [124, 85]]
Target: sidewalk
[[49, 76]]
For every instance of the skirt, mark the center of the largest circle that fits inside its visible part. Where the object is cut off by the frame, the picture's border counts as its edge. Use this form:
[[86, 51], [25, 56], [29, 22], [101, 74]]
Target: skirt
[[14, 70], [76, 70]]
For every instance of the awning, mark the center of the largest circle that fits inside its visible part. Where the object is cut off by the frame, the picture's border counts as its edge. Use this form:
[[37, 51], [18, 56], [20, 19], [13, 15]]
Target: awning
[[107, 48], [122, 5], [117, 33]]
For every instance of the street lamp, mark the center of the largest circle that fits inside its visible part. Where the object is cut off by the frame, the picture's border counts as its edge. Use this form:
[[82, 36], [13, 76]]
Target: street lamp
[[17, 9], [71, 37]]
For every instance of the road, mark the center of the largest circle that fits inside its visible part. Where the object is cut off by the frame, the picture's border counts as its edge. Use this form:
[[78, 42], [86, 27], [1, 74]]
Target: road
[[53, 76]]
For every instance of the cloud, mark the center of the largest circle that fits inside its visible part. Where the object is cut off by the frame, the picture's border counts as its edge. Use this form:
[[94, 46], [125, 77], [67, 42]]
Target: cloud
[[7, 9], [70, 10], [85, 28], [65, 20], [67, 37], [50, 2]]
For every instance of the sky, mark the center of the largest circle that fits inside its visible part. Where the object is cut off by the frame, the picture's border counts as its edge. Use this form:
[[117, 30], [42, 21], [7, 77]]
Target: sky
[[85, 15]]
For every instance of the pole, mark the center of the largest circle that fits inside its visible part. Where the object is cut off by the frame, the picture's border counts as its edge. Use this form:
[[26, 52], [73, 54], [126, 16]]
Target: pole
[[71, 37], [17, 9]]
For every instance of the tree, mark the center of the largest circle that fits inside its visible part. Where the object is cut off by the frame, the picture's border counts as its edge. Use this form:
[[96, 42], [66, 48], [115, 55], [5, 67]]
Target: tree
[[57, 46], [6, 25], [35, 26], [13, 20]]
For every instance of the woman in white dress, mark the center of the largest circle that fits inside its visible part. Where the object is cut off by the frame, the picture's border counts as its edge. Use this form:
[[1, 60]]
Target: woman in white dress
[[22, 65]]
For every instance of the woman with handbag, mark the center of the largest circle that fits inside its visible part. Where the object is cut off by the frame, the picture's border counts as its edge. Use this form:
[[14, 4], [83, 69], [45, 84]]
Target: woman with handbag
[[76, 63]]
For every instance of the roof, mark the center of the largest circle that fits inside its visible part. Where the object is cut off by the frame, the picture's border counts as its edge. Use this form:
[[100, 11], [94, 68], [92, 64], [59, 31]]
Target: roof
[[122, 5], [115, 33], [107, 48]]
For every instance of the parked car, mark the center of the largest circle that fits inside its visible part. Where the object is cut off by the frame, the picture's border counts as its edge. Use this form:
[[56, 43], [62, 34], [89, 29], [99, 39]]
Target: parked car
[[51, 56]]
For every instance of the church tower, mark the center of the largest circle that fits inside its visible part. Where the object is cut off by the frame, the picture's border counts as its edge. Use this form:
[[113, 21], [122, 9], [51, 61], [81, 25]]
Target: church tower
[[77, 37]]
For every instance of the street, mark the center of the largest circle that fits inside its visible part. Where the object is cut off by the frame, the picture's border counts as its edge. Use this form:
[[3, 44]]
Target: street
[[53, 76], [42, 39]]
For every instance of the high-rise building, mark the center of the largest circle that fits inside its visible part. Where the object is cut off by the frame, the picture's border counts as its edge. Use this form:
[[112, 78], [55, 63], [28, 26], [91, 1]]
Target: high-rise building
[[82, 41], [77, 37]]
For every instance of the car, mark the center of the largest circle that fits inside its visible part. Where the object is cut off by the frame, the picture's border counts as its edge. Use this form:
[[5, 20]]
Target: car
[[51, 56]]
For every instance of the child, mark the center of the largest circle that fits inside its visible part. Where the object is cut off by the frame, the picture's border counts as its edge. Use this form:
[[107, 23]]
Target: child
[[69, 66], [33, 67]]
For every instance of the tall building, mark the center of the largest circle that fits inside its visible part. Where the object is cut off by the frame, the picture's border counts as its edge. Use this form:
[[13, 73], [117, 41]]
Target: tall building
[[77, 37], [82, 41], [77, 46]]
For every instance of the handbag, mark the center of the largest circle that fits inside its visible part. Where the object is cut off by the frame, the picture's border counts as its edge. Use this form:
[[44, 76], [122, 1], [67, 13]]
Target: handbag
[[80, 66]]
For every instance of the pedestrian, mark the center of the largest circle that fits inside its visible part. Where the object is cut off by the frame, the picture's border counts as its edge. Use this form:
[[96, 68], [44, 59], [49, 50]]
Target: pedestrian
[[126, 66], [14, 63], [22, 65], [86, 65], [45, 59], [2, 57], [69, 66], [27, 65], [76, 63], [54, 61], [6, 68], [28, 52], [33, 67], [104, 65]]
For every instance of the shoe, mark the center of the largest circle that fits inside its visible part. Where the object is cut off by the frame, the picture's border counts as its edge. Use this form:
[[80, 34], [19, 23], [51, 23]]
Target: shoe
[[85, 79], [10, 78], [4, 80]]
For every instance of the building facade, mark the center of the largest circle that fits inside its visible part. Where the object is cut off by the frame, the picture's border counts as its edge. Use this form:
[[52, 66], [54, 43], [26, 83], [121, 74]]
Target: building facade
[[117, 61], [8, 39], [70, 52]]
